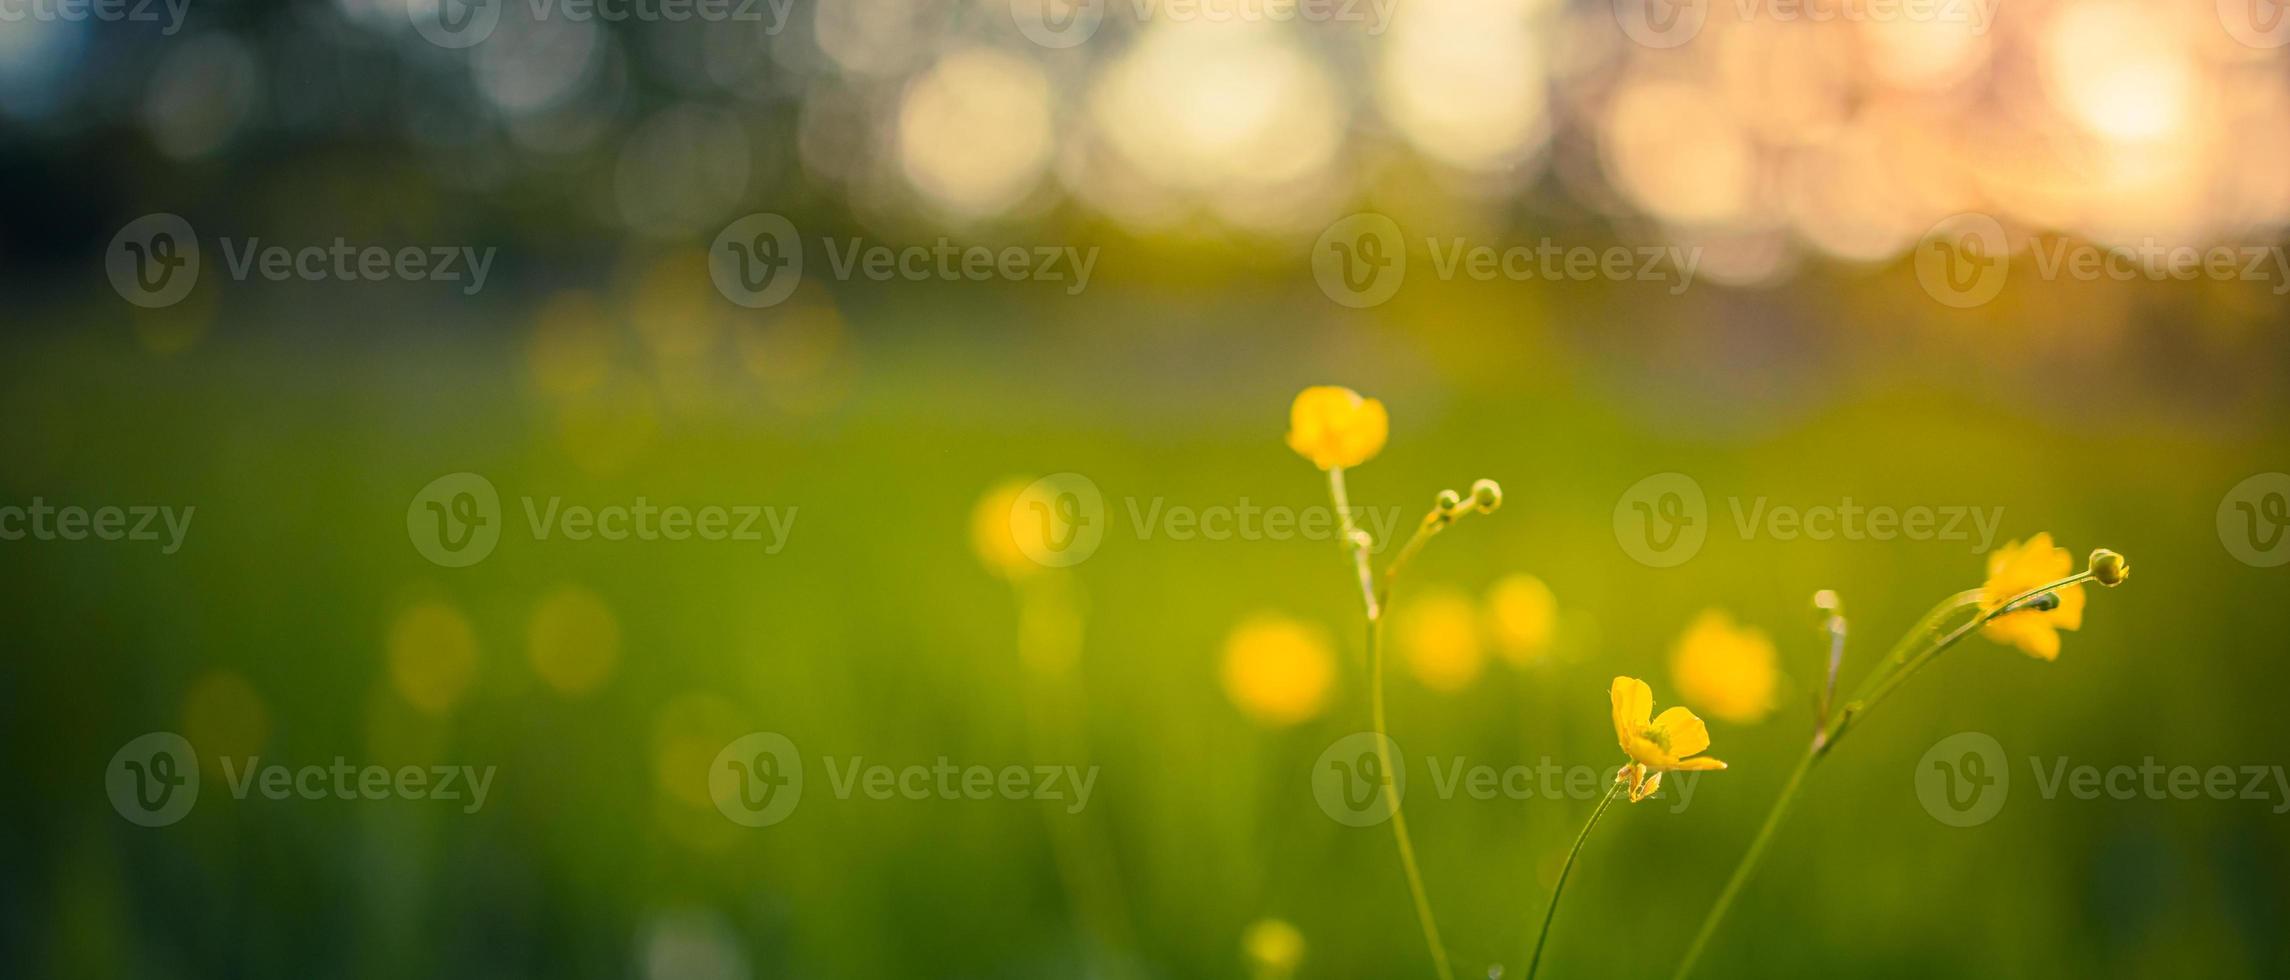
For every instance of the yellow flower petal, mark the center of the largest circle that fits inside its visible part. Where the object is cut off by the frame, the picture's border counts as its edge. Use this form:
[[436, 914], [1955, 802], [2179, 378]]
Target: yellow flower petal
[[1633, 707], [1335, 427], [1686, 734], [1699, 763]]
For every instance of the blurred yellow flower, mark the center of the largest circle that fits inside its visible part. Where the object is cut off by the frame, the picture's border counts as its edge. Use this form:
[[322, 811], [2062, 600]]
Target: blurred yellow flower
[[1729, 671], [432, 656], [1273, 947], [1523, 617], [1278, 670], [1439, 637], [1335, 427], [2016, 568], [573, 640], [1656, 745], [991, 535]]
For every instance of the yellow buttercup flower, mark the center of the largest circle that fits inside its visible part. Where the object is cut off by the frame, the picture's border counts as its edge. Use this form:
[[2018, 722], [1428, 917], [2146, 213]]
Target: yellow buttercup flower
[[1656, 745], [1438, 634], [2017, 567], [1523, 616], [1278, 670], [1335, 427], [1727, 670]]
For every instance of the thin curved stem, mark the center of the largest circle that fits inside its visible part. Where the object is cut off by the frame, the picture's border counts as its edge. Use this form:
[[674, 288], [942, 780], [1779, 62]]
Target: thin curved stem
[[1748, 863], [1391, 799], [1535, 959], [1897, 668]]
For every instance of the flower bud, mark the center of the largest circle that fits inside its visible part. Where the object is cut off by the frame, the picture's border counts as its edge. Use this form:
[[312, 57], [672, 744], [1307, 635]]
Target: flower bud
[[2109, 568], [1486, 495]]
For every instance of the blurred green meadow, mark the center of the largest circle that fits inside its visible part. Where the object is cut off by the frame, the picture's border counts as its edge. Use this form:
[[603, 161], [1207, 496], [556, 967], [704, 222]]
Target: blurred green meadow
[[281, 630], [822, 713]]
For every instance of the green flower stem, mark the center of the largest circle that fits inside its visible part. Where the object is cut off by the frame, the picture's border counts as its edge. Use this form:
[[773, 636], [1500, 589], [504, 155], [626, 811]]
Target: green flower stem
[[1391, 799], [1535, 959], [1748, 862], [1895, 669]]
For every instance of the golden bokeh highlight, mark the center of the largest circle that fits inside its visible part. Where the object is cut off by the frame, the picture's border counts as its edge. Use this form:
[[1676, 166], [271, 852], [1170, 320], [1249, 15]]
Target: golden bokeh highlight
[[993, 538], [573, 641], [1522, 618], [1273, 948], [1725, 670], [1278, 670], [432, 656], [974, 131], [1438, 638]]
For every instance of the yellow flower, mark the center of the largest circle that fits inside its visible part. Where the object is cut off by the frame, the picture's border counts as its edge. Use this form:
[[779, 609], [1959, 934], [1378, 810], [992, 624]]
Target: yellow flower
[[1335, 427], [1656, 745], [1523, 616], [1273, 946], [1278, 670], [1439, 636], [991, 535], [2016, 568], [1727, 670]]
